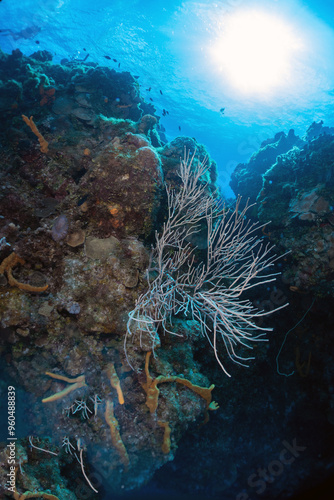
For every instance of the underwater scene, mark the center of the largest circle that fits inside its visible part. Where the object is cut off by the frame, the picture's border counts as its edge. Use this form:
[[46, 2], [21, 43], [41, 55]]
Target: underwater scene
[[166, 249]]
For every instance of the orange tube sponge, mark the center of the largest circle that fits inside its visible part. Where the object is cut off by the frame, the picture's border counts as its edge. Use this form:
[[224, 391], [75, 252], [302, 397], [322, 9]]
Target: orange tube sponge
[[37, 494], [75, 383], [7, 265], [114, 431], [166, 439], [114, 382], [152, 391], [42, 142]]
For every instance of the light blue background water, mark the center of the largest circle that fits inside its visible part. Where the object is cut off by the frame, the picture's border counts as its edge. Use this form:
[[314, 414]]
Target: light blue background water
[[167, 44]]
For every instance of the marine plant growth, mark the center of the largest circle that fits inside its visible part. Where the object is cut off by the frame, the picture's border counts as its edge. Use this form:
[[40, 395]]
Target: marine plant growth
[[210, 290]]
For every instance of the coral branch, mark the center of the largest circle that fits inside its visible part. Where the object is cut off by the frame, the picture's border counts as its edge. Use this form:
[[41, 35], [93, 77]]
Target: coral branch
[[84, 473], [209, 292], [41, 449]]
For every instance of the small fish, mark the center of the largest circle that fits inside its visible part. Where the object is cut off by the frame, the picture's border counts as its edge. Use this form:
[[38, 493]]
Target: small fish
[[119, 65], [84, 50], [151, 99], [149, 89], [167, 112], [107, 57], [161, 92], [115, 60], [36, 41], [163, 112], [179, 128], [221, 111]]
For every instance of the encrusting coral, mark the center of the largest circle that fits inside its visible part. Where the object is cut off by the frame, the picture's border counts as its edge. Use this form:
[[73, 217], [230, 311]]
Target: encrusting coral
[[7, 265]]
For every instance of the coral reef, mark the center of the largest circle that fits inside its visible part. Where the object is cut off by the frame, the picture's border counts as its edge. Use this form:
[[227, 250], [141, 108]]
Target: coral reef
[[80, 220], [80, 210], [246, 180], [295, 192]]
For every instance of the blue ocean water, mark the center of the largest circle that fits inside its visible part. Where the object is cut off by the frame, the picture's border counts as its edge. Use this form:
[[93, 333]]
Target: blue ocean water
[[168, 45], [231, 74]]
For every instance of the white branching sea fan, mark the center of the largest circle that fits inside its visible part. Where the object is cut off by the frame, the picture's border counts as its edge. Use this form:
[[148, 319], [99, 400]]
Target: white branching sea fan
[[209, 291]]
